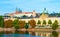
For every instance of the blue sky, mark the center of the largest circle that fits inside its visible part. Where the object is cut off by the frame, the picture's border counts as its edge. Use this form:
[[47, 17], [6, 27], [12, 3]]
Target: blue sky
[[9, 6]]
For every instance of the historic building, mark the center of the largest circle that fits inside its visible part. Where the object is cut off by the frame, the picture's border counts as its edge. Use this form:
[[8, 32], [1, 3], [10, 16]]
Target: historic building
[[19, 13], [41, 17]]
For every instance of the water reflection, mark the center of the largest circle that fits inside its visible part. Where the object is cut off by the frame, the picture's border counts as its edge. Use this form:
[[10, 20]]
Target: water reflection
[[54, 34], [29, 34], [1, 34]]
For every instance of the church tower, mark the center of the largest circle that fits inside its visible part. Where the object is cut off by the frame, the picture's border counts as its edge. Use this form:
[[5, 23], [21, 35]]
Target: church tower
[[17, 10], [44, 15], [20, 10], [34, 13]]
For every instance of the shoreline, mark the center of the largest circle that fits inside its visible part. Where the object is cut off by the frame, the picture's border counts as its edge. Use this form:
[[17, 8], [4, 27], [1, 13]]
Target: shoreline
[[29, 29]]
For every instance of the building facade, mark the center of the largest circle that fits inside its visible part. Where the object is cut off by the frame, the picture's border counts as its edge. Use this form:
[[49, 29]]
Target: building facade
[[41, 17]]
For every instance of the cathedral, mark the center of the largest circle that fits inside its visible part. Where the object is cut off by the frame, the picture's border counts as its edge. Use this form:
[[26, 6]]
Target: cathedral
[[43, 16], [19, 13]]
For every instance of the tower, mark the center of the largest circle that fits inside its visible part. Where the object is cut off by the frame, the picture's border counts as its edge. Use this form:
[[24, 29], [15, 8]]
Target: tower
[[20, 10], [16, 10], [44, 14], [34, 13]]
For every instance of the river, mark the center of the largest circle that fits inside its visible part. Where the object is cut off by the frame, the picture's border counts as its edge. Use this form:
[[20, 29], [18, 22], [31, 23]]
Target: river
[[30, 34]]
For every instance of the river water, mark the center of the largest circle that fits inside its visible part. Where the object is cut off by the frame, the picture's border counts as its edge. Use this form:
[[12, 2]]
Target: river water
[[29, 34]]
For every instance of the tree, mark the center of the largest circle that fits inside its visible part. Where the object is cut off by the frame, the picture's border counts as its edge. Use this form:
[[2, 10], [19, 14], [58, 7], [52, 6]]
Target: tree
[[50, 22], [32, 23], [21, 24], [39, 22], [55, 25], [1, 21], [8, 24], [44, 22], [26, 26], [24, 16], [16, 23]]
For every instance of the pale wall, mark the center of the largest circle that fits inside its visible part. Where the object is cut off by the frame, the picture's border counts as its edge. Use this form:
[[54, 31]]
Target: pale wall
[[36, 19]]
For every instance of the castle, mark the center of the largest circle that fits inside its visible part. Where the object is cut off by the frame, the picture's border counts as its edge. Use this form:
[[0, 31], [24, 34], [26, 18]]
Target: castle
[[19, 13], [33, 14]]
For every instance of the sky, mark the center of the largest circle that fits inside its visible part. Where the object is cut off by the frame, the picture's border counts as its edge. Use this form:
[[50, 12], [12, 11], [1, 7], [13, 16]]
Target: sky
[[9, 6]]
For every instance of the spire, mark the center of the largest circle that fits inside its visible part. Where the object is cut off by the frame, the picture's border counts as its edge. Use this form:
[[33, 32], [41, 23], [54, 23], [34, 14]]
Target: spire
[[33, 10], [20, 10], [16, 9], [44, 9]]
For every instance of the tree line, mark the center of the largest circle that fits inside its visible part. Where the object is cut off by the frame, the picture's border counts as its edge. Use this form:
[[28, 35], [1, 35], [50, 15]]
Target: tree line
[[22, 24]]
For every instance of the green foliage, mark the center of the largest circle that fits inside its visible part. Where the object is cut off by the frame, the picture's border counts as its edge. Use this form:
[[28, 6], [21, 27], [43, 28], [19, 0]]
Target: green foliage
[[1, 21], [50, 22], [39, 22], [16, 23], [17, 27], [26, 26], [55, 25], [24, 16], [44, 22]]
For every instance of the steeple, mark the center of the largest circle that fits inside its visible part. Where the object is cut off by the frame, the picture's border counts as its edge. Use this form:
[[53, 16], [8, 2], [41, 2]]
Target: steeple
[[33, 10], [44, 9], [34, 13], [20, 10], [44, 15], [16, 9]]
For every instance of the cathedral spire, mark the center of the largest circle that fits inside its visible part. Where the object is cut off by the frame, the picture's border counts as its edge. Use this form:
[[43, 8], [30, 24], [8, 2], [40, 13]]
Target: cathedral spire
[[44, 9], [20, 10], [16, 10]]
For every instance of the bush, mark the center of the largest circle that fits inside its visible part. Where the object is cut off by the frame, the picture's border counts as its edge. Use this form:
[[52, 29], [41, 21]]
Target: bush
[[16, 23], [39, 22], [1, 21], [55, 25], [49, 22], [26, 26], [44, 22]]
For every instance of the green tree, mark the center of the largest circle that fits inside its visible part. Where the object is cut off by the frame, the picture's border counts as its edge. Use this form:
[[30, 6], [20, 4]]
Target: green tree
[[39, 22], [16, 23], [26, 26], [44, 22], [50, 22], [55, 25], [1, 21]]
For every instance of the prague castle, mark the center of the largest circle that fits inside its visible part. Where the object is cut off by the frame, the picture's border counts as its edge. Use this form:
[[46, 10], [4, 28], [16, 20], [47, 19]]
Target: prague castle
[[32, 15], [19, 13]]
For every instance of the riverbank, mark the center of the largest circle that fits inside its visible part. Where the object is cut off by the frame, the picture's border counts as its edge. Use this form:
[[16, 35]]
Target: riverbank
[[29, 29]]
